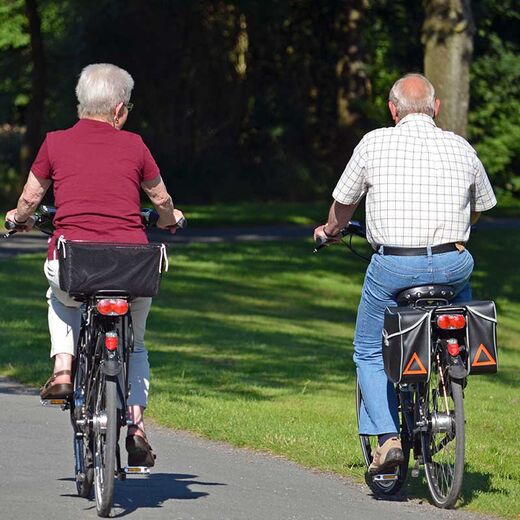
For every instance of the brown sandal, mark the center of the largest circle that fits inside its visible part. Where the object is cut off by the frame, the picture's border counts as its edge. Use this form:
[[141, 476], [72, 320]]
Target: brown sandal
[[139, 451], [57, 391]]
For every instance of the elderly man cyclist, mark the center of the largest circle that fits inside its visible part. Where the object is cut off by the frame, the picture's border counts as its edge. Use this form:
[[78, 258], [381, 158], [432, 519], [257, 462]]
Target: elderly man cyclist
[[97, 170], [424, 187]]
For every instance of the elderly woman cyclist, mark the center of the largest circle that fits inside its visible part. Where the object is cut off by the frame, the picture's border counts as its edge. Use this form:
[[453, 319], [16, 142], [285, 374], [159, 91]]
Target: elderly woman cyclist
[[97, 170]]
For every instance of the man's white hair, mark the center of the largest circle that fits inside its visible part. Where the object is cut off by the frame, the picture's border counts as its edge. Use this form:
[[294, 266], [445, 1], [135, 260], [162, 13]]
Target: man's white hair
[[101, 87], [406, 102]]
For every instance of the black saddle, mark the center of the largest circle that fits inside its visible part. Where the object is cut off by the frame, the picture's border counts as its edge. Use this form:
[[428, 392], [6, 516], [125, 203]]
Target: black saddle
[[442, 293]]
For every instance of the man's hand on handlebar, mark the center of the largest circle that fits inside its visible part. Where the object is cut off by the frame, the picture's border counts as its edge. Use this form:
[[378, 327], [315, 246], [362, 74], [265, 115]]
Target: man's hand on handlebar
[[323, 235], [15, 223], [180, 222]]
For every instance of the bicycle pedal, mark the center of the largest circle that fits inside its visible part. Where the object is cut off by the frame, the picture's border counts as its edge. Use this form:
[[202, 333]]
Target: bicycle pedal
[[137, 470], [63, 404], [385, 477]]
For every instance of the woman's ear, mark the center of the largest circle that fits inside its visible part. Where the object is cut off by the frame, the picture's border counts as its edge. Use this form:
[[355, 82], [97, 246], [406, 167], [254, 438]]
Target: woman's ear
[[119, 110]]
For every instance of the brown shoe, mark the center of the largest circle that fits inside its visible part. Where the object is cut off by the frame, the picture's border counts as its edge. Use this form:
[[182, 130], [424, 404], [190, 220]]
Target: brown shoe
[[139, 451], [387, 457], [56, 391]]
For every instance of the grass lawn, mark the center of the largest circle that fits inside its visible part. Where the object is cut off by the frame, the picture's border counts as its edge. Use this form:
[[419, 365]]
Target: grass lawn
[[252, 344]]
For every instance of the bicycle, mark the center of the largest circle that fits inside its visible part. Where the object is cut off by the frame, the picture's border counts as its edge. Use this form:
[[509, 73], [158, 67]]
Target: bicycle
[[429, 383], [100, 381]]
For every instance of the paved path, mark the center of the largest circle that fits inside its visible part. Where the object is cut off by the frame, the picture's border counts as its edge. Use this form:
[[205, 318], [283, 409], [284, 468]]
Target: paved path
[[193, 479], [35, 241]]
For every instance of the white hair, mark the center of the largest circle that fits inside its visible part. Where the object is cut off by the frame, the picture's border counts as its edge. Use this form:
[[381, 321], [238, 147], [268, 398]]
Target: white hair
[[406, 102], [101, 87]]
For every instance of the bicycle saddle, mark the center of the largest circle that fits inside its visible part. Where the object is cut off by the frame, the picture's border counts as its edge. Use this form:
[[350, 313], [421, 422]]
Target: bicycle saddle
[[425, 292]]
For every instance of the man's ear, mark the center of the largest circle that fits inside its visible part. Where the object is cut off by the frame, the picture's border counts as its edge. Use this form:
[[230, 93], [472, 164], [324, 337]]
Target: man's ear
[[393, 111], [436, 106]]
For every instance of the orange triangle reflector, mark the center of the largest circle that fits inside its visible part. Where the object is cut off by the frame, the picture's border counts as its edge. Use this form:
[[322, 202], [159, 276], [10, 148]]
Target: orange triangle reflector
[[483, 357], [418, 369]]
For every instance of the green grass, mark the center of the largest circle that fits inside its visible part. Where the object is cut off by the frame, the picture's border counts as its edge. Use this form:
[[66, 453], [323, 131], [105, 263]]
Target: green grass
[[252, 344], [256, 213]]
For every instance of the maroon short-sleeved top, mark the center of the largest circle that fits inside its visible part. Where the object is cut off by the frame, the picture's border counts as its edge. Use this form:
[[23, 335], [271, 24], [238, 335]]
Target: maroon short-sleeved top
[[97, 173]]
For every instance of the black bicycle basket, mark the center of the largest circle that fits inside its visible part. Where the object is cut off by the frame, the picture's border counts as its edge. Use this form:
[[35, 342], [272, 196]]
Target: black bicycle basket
[[89, 267]]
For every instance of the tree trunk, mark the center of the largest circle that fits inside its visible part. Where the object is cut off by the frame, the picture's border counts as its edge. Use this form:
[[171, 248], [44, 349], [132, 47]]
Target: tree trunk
[[353, 82], [448, 40], [34, 111]]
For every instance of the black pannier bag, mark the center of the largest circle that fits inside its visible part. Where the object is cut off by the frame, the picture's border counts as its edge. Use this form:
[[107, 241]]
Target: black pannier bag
[[89, 267], [481, 339], [407, 344]]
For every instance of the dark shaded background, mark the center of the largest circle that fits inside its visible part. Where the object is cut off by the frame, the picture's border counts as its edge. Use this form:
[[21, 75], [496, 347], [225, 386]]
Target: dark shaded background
[[249, 99]]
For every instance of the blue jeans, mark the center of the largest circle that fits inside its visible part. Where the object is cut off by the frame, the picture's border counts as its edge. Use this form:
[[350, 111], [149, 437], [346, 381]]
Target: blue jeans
[[385, 277]]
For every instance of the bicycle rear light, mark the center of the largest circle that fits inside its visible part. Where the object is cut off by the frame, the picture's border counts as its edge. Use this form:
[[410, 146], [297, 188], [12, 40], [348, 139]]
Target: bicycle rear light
[[451, 321], [453, 347], [112, 307], [111, 341]]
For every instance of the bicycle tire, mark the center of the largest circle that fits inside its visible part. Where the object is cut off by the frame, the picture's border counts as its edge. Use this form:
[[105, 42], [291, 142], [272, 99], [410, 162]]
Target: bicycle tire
[[83, 464], [443, 442], [369, 444], [105, 443]]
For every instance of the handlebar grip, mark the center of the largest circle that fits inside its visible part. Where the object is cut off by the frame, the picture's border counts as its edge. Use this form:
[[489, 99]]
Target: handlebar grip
[[182, 223], [320, 243]]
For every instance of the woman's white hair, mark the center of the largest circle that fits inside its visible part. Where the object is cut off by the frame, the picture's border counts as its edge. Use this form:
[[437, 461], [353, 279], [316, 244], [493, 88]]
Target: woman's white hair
[[101, 87], [413, 100]]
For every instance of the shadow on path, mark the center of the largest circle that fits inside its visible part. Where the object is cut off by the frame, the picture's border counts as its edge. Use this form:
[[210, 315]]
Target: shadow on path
[[150, 492]]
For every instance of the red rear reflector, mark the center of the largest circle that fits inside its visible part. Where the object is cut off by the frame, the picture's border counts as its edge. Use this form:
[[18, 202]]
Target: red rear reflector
[[111, 341], [453, 347], [451, 321], [113, 307]]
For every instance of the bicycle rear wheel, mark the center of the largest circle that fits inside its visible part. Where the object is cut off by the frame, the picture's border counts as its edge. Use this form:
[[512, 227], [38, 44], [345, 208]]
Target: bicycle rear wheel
[[443, 442], [369, 444], [105, 442]]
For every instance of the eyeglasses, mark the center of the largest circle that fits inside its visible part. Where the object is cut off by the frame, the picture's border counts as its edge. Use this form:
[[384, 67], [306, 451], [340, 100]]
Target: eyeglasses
[[129, 106]]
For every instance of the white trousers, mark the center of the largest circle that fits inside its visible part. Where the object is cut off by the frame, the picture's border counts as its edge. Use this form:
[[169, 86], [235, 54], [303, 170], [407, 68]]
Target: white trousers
[[65, 322]]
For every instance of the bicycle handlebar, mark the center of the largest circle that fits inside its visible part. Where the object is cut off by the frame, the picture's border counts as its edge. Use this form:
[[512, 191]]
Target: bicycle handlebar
[[352, 228], [45, 215]]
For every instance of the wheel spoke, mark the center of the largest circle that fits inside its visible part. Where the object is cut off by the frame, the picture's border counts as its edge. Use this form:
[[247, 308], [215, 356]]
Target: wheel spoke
[[443, 444]]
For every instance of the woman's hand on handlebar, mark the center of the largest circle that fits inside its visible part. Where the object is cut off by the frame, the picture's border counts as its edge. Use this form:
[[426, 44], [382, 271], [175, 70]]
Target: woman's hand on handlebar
[[180, 222], [14, 223]]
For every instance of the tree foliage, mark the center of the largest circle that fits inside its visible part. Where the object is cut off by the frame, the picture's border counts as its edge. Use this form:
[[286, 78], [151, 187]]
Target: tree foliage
[[250, 99]]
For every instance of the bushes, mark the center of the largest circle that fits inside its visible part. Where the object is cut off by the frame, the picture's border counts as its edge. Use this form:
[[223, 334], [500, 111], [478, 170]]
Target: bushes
[[494, 119]]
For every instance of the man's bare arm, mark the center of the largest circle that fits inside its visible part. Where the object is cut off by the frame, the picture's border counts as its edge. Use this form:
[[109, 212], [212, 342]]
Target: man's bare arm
[[339, 216], [475, 215]]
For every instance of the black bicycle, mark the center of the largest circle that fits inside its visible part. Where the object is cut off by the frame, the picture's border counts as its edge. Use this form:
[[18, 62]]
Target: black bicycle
[[100, 379], [429, 348]]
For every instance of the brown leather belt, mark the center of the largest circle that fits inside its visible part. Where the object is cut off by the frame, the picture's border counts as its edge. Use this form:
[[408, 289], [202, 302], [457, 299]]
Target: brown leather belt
[[418, 251]]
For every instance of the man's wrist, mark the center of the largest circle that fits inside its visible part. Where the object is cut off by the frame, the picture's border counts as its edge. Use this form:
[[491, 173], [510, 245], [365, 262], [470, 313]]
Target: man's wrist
[[327, 234]]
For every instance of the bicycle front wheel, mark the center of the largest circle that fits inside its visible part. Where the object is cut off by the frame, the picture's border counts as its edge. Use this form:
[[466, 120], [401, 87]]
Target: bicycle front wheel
[[83, 469], [105, 443], [443, 442]]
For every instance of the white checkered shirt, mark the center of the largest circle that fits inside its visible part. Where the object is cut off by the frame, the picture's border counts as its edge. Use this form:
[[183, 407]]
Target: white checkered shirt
[[421, 184]]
